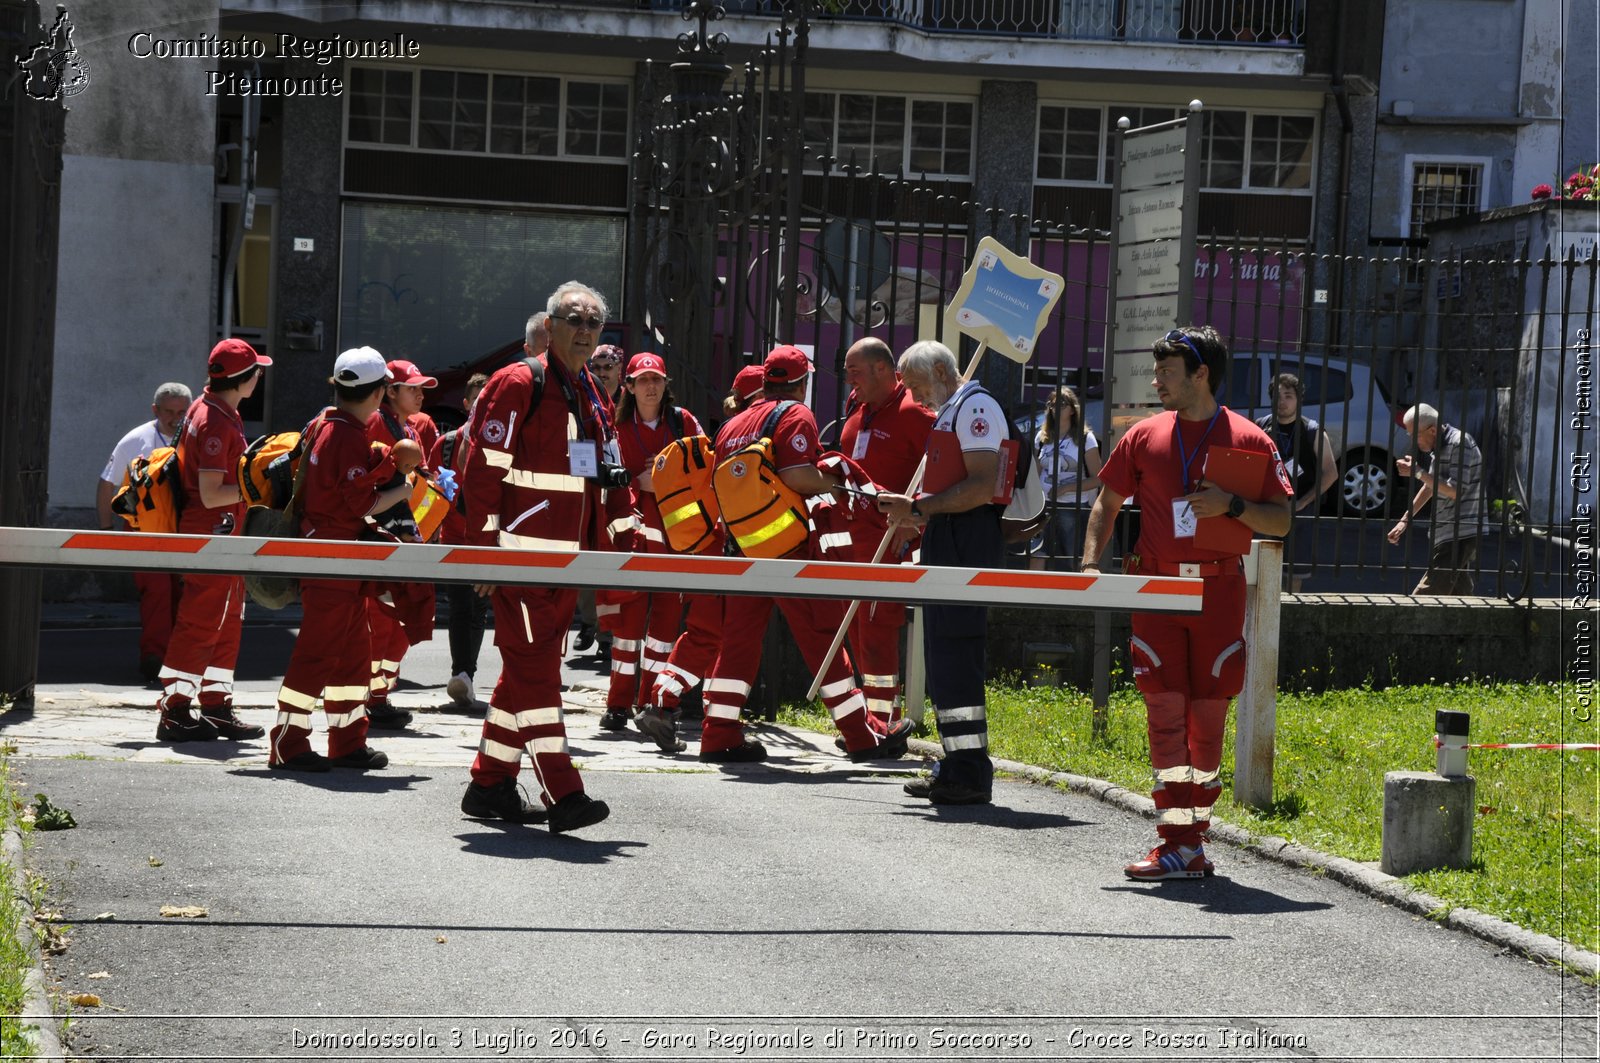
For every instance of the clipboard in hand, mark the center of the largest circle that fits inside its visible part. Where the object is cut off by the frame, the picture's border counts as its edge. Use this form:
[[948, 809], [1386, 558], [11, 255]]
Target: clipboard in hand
[[1238, 472]]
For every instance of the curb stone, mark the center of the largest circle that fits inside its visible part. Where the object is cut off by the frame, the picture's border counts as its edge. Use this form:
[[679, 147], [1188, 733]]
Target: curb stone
[[1368, 880], [39, 1020]]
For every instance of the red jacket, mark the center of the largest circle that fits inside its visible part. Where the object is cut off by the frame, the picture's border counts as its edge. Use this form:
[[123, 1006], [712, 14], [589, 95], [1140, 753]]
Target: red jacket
[[520, 490], [640, 444]]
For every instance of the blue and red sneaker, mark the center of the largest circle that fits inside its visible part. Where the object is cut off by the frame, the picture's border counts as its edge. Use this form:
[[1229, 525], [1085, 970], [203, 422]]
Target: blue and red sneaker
[[1171, 861]]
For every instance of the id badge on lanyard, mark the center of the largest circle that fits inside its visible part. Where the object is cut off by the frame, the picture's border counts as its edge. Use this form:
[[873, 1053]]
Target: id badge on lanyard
[[583, 458]]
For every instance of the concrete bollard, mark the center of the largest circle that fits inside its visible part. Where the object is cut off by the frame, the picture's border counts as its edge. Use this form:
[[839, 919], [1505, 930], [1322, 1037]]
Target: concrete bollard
[[1427, 816]]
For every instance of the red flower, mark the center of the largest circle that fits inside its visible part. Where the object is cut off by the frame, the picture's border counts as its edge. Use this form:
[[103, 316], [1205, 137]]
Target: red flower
[[1542, 192]]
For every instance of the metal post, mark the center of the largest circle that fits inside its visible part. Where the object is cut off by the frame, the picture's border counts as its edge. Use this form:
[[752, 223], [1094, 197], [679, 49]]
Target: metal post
[[916, 667], [1256, 722], [1450, 729]]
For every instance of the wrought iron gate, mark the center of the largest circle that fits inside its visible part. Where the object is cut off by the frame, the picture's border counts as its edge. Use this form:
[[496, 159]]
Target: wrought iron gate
[[34, 75]]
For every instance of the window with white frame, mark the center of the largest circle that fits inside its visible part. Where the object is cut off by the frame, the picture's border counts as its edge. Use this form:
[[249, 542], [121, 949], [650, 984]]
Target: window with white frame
[[380, 106], [1071, 143], [1442, 188], [453, 111], [494, 113], [890, 133], [526, 116], [1240, 150]]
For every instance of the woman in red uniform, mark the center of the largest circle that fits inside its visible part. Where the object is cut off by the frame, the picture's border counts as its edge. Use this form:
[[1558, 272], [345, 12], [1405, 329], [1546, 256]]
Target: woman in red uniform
[[646, 630]]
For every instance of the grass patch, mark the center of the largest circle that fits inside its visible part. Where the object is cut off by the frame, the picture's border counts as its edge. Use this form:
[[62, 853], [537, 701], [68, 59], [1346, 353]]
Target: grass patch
[[14, 957], [1536, 842]]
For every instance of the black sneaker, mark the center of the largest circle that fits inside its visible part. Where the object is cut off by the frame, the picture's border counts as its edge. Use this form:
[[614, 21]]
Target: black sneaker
[[958, 793], [661, 727], [382, 716], [503, 800], [576, 810], [364, 759], [751, 752], [922, 786], [309, 761], [616, 719], [891, 746], [584, 638], [228, 724], [183, 723]]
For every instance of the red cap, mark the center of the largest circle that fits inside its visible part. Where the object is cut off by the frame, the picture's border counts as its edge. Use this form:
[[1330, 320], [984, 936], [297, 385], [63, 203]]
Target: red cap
[[232, 357], [404, 372], [786, 364], [640, 364], [747, 383]]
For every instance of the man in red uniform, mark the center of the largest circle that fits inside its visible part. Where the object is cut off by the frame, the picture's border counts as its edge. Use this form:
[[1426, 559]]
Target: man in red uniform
[[399, 417], [813, 622], [1187, 667], [346, 480], [885, 433], [532, 484], [197, 674]]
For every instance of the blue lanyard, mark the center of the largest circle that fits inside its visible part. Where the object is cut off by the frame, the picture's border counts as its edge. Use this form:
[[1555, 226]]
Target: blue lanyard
[[1188, 459], [594, 399]]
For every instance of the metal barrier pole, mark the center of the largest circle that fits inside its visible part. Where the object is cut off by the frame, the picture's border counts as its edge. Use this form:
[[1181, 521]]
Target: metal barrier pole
[[916, 668], [1256, 719]]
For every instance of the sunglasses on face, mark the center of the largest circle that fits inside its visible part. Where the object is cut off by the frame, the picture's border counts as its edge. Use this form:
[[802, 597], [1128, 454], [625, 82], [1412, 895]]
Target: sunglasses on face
[[578, 321], [1191, 354]]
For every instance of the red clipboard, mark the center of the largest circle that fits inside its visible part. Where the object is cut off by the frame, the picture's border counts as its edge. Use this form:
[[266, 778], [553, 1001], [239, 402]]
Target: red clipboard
[[946, 466], [1238, 472]]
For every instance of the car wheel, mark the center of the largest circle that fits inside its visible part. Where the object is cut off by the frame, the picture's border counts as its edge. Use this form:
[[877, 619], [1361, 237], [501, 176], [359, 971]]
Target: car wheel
[[1367, 484], [446, 418]]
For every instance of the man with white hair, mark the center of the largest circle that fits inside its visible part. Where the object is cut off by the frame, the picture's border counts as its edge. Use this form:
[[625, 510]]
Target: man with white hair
[[535, 480], [962, 528], [158, 591], [1453, 473]]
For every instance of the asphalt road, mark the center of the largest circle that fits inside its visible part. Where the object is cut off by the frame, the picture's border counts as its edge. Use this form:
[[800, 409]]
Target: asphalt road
[[754, 912]]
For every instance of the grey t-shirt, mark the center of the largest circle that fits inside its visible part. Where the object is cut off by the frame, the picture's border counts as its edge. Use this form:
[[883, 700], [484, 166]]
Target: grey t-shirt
[[1456, 461]]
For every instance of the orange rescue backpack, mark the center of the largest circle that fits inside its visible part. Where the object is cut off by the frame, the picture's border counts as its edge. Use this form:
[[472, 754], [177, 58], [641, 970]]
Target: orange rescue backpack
[[151, 497], [684, 493], [765, 516], [267, 468]]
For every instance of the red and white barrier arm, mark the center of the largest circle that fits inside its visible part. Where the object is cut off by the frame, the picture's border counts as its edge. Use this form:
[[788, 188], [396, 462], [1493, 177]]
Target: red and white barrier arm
[[1560, 746], [62, 548]]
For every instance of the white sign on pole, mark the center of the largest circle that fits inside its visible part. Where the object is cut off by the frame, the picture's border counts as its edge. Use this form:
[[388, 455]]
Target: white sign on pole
[[1140, 322], [1148, 269], [1154, 214], [1153, 159]]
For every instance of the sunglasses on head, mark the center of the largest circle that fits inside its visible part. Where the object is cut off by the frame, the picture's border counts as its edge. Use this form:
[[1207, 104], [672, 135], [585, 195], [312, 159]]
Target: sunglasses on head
[[579, 321], [1192, 356]]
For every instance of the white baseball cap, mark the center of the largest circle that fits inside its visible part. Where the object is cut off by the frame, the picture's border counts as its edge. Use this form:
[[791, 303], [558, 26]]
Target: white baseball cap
[[359, 365]]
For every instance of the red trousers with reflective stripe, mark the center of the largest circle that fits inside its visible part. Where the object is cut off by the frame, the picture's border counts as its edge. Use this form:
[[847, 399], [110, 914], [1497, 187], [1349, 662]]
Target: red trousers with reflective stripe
[[875, 645], [205, 639], [330, 661], [1188, 667], [693, 654], [530, 627], [642, 620], [159, 593], [744, 624], [389, 645]]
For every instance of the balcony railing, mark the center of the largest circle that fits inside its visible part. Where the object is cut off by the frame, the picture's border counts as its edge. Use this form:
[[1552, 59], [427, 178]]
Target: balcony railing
[[1267, 23]]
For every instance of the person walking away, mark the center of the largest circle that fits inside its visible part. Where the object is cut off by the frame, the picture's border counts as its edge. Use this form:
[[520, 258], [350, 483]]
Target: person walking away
[[1187, 666], [158, 591], [197, 673], [346, 480]]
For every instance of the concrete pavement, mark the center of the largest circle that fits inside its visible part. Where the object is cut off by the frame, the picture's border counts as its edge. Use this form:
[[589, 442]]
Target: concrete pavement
[[763, 911]]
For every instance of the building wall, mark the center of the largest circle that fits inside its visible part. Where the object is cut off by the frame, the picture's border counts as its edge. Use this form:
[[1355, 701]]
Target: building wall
[[136, 238]]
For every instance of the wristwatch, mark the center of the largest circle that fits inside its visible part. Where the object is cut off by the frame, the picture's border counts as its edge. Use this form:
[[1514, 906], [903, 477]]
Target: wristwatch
[[1236, 507], [916, 510]]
